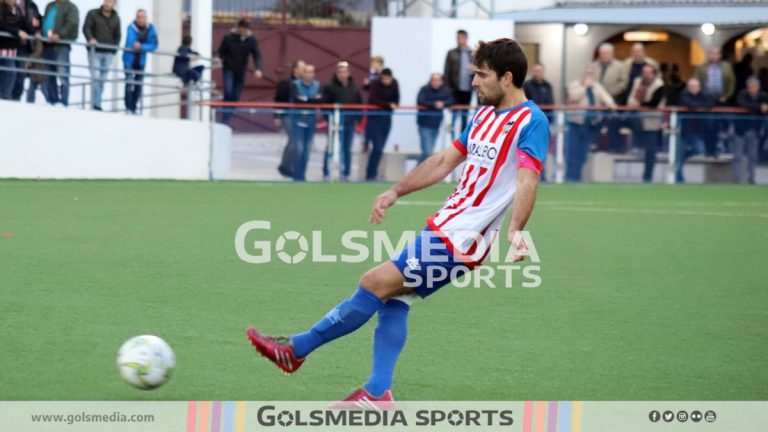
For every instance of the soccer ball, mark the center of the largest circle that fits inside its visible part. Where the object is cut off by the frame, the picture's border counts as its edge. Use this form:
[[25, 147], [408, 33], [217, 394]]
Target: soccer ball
[[145, 362]]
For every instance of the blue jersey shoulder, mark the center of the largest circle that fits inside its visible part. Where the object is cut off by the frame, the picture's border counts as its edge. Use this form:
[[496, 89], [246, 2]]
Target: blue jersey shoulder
[[534, 138]]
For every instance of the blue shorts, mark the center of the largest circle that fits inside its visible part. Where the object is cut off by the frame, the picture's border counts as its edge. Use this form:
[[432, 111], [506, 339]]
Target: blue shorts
[[427, 264]]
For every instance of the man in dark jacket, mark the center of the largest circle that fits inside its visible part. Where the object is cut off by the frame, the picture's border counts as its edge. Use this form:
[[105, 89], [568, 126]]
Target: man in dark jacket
[[458, 74], [31, 14], [693, 131], [60, 25], [233, 52], [385, 93], [434, 98], [538, 89], [749, 131], [102, 27], [342, 90], [283, 95]]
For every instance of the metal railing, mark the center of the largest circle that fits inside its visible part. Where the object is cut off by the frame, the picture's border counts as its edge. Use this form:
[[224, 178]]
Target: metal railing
[[672, 135], [203, 91]]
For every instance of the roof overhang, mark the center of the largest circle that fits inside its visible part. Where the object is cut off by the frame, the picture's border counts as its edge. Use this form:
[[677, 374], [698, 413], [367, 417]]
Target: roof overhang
[[667, 15]]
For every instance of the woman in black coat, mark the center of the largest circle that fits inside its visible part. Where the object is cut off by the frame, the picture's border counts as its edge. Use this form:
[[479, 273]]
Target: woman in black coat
[[11, 21]]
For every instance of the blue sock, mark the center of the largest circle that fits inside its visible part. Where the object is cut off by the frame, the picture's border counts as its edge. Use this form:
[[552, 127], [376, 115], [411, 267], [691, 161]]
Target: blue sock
[[345, 318], [388, 341]]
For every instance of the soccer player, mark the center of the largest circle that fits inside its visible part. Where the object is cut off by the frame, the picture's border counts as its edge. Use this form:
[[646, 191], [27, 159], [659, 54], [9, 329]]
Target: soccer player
[[504, 147]]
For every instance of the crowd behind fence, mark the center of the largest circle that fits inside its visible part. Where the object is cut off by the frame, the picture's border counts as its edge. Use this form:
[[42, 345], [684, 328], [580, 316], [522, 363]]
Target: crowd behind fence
[[35, 55], [679, 153]]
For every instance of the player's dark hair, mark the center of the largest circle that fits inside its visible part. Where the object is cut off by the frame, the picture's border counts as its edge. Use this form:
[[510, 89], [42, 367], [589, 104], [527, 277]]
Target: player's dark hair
[[186, 40], [387, 72], [502, 56], [463, 33], [244, 23]]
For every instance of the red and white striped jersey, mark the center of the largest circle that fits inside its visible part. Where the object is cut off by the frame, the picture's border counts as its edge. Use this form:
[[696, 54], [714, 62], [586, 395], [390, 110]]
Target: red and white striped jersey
[[496, 144]]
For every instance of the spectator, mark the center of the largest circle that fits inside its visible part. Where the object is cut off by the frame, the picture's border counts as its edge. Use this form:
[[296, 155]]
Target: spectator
[[762, 76], [583, 127], [718, 81], [234, 51], [648, 92], [613, 77], [141, 39], [35, 71], [538, 89], [716, 77], [434, 97], [742, 71], [102, 27], [458, 74], [748, 132], [385, 93], [673, 84], [610, 72], [693, 131], [342, 90], [60, 25], [32, 16], [11, 21], [374, 73], [185, 64], [633, 66], [306, 90], [283, 95]]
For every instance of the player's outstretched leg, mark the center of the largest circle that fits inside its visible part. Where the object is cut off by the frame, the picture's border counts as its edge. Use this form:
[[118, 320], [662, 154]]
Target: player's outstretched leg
[[288, 354], [388, 341], [348, 316]]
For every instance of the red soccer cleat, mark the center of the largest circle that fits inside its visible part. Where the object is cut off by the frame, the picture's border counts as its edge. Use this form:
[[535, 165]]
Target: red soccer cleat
[[278, 350], [360, 399]]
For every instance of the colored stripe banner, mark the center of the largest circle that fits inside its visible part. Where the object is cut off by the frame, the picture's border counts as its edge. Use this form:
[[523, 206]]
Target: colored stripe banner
[[551, 416], [241, 416]]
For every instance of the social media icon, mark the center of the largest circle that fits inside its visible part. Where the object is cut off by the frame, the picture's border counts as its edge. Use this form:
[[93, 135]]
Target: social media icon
[[696, 416], [654, 416], [669, 416], [710, 416], [682, 416]]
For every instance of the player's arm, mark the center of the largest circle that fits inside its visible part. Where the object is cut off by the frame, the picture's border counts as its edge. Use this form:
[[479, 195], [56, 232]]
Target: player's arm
[[429, 172], [531, 153], [522, 206]]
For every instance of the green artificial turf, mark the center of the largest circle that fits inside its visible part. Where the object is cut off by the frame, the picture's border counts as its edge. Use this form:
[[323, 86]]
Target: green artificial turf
[[648, 293]]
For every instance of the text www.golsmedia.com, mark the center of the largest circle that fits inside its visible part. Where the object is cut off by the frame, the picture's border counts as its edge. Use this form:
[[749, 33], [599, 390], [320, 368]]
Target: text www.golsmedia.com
[[115, 417]]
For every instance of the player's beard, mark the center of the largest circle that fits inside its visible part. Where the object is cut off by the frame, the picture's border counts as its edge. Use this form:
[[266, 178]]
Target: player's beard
[[490, 100]]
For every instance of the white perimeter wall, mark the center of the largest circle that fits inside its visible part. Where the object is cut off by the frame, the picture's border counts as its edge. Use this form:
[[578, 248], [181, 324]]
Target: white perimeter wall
[[55, 142], [414, 48]]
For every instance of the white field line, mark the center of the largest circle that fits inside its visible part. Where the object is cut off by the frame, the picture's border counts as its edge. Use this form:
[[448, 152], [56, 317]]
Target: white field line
[[657, 212], [587, 206]]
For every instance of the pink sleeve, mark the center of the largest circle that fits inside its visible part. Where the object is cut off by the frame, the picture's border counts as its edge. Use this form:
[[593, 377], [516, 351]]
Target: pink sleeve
[[460, 147], [525, 160]]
